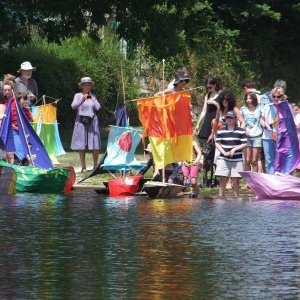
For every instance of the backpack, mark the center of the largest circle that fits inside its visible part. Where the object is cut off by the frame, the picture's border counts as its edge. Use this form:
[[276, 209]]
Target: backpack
[[208, 150]]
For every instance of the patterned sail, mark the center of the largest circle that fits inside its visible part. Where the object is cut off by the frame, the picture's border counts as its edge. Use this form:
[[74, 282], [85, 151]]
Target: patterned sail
[[167, 122], [33, 148], [121, 147]]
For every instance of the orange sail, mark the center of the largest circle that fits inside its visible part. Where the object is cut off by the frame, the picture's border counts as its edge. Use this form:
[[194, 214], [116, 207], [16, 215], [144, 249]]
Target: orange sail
[[167, 122]]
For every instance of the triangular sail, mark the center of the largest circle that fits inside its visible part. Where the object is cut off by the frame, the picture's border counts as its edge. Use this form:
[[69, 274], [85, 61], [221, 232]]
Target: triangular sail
[[167, 122], [33, 148]]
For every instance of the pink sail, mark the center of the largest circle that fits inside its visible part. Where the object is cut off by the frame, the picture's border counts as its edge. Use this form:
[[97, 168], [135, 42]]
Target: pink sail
[[267, 186]]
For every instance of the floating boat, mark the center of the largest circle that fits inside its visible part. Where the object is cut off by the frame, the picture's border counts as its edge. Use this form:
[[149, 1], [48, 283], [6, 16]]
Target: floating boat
[[266, 186], [40, 180], [8, 180], [120, 159], [167, 122], [162, 190], [40, 176]]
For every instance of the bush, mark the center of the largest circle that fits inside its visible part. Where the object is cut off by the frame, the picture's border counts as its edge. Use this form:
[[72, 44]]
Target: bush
[[60, 67]]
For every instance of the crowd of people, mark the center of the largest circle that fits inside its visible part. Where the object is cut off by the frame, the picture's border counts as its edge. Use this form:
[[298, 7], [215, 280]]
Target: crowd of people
[[24, 90], [245, 138]]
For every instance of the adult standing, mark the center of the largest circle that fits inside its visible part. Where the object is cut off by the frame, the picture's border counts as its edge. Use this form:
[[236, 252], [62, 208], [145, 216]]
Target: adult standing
[[26, 84], [267, 98], [181, 79], [280, 141], [209, 109], [86, 133]]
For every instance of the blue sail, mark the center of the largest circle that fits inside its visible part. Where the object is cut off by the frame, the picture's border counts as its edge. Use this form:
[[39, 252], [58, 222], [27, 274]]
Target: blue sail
[[32, 146], [121, 146]]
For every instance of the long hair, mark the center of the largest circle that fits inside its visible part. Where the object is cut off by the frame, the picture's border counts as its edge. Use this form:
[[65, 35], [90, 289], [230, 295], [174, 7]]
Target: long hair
[[214, 81], [229, 96], [253, 97]]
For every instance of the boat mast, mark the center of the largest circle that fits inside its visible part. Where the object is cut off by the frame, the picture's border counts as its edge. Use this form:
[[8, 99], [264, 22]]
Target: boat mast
[[163, 80]]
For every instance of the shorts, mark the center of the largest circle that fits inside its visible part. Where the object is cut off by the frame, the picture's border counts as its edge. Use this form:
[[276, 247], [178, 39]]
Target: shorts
[[254, 142], [229, 168], [192, 171]]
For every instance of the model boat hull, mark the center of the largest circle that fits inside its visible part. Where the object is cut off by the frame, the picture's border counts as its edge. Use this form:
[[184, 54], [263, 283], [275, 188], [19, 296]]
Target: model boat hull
[[267, 186]]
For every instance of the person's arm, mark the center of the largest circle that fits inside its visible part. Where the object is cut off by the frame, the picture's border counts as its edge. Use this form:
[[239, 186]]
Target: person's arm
[[77, 101], [239, 117], [236, 148], [198, 151], [202, 114], [164, 92], [221, 150], [213, 102], [96, 103]]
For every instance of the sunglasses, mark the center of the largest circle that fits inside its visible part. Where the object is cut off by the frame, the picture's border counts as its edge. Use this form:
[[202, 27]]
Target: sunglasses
[[277, 97], [85, 84], [230, 118]]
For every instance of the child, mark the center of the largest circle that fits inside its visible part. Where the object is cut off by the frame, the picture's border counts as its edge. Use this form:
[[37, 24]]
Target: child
[[230, 141], [22, 99], [190, 170]]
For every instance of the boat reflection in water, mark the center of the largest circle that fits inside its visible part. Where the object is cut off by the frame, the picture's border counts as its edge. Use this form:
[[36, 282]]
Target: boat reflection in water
[[87, 246]]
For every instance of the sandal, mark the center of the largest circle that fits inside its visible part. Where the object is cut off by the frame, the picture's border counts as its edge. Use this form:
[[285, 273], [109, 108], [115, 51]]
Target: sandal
[[83, 170]]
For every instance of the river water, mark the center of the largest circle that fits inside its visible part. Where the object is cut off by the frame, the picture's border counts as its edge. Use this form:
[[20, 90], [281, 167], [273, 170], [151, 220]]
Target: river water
[[89, 246]]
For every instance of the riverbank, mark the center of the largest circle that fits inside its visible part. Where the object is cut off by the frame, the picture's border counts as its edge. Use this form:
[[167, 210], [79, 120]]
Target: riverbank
[[72, 158]]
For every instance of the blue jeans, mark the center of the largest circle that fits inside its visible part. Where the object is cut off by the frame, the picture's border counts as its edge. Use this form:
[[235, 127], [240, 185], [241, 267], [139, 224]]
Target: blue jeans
[[18, 145], [269, 151]]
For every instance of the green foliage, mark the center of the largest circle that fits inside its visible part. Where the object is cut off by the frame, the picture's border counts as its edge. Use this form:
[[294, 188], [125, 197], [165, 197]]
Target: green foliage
[[60, 67], [232, 40]]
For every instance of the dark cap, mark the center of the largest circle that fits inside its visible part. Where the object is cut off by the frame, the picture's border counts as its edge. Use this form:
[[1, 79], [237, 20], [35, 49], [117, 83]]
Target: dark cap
[[181, 75], [231, 114]]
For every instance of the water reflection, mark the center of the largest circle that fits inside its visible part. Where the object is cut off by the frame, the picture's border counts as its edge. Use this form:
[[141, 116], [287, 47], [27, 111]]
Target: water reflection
[[85, 245]]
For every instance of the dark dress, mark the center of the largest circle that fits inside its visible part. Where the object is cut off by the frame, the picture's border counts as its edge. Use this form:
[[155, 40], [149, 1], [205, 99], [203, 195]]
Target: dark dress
[[211, 110]]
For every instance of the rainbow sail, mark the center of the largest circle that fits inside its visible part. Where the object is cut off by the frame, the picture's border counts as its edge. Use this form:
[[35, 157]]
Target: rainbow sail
[[46, 126], [167, 122]]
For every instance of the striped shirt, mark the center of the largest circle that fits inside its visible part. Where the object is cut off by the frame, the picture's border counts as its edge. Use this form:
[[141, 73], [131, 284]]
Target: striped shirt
[[228, 139]]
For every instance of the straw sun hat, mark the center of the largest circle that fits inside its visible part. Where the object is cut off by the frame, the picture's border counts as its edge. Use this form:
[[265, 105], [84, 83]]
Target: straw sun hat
[[86, 80]]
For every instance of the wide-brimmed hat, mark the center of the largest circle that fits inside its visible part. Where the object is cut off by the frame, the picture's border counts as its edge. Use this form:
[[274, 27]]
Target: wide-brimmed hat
[[148, 149], [231, 114], [86, 80], [26, 65], [181, 75]]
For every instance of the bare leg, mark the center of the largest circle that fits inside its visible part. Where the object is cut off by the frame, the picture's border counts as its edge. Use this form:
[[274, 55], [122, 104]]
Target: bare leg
[[10, 157], [222, 185], [255, 155], [82, 159], [195, 185], [248, 153], [95, 154], [235, 186]]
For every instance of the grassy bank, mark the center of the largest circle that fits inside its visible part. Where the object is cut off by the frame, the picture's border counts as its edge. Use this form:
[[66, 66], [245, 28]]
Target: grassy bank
[[72, 158]]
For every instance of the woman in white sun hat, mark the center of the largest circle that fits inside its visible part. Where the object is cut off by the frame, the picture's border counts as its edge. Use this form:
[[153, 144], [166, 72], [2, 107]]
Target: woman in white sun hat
[[86, 133], [26, 84]]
